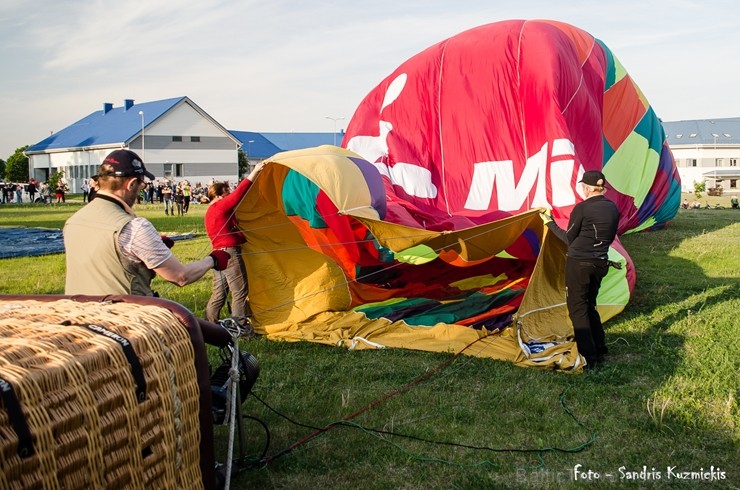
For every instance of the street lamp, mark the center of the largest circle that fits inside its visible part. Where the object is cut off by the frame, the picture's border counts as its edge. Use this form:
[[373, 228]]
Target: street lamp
[[335, 119], [249, 153], [141, 113]]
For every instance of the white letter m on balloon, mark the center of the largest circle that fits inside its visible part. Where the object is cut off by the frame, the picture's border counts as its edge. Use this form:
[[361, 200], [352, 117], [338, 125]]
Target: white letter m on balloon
[[511, 196]]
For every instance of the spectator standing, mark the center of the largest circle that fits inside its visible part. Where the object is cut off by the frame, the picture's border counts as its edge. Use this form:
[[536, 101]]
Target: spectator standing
[[85, 190], [145, 192], [152, 191], [93, 188], [186, 191], [45, 192], [19, 193], [179, 199], [167, 198], [60, 191], [32, 190]]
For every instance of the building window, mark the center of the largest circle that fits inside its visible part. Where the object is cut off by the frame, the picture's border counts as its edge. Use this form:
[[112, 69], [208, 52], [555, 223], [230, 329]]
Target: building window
[[195, 139], [733, 183], [719, 162], [733, 162], [177, 138], [691, 162], [178, 170], [167, 170]]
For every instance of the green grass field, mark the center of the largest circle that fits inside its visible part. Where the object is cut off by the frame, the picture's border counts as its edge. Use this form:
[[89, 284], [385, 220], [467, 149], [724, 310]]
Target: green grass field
[[665, 403]]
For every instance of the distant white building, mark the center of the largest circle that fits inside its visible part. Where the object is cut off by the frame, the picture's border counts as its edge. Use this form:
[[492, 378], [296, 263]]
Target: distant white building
[[706, 150], [175, 138]]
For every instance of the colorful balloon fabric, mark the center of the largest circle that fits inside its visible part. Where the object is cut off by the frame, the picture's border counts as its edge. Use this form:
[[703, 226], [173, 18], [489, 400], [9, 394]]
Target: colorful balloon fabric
[[424, 232], [506, 117]]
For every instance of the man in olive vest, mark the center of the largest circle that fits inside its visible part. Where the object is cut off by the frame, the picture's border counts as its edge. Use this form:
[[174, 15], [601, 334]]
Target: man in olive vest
[[109, 250]]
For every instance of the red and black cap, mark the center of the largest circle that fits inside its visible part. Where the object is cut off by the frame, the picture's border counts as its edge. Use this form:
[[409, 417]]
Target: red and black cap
[[126, 163]]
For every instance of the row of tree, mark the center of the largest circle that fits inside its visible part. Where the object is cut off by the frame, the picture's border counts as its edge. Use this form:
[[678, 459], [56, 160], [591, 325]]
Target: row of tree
[[15, 169]]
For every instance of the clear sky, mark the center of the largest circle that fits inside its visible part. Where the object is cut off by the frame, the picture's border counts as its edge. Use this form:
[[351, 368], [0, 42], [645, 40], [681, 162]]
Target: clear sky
[[284, 65]]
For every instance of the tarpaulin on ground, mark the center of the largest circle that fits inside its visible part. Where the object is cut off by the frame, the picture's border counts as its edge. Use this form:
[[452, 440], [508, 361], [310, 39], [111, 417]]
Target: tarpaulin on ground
[[30, 242]]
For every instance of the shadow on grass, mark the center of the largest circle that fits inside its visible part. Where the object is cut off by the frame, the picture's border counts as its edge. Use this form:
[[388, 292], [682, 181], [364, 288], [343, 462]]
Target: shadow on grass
[[517, 407], [649, 369]]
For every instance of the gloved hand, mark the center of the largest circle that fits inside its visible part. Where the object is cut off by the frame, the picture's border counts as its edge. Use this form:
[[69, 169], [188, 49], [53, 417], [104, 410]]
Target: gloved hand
[[169, 242], [546, 216], [220, 259]]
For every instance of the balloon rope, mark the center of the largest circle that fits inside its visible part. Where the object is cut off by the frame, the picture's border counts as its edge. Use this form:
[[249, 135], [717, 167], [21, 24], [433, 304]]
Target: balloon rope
[[374, 403]]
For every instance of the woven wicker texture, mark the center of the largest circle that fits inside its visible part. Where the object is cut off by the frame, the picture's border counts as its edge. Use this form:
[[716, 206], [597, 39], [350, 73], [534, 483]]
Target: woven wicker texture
[[78, 395]]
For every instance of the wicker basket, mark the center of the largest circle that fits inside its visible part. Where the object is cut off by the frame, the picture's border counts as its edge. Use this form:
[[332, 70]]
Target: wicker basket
[[115, 405]]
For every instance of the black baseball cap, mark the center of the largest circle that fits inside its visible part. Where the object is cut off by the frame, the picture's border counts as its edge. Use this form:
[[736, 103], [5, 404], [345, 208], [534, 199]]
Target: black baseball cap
[[126, 163], [594, 178]]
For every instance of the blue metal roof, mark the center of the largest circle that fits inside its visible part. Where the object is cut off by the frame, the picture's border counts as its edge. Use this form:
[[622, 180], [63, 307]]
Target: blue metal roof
[[260, 147], [114, 126], [703, 131], [266, 145]]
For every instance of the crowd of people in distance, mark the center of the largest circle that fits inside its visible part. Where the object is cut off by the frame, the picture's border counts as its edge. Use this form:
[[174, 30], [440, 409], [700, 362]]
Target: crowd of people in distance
[[692, 205], [32, 191], [176, 197], [13, 192], [695, 204]]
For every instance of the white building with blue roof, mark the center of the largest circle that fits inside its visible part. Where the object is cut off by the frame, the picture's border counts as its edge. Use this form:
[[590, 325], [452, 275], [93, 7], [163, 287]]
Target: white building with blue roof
[[175, 138], [706, 150]]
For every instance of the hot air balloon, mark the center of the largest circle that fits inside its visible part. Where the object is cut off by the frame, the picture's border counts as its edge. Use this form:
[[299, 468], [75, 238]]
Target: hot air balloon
[[423, 232]]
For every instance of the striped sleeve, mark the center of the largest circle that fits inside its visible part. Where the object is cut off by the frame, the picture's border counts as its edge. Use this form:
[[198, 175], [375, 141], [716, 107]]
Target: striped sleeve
[[141, 242]]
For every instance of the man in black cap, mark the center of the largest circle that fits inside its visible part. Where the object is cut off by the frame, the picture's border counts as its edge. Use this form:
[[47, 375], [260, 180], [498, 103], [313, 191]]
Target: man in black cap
[[591, 229], [109, 250]]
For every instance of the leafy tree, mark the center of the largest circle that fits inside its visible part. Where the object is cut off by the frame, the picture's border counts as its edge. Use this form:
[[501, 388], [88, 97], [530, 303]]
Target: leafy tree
[[243, 163], [699, 187], [16, 168], [55, 177], [2, 169]]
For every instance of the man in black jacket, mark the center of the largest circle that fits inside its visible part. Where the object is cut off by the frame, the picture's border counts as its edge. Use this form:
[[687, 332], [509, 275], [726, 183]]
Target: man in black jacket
[[591, 229]]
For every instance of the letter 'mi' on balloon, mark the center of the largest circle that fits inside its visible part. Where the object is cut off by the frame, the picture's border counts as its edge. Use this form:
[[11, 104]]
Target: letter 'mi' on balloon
[[423, 232]]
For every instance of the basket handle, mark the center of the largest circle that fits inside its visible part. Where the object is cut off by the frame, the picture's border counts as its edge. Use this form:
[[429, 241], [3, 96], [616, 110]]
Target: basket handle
[[131, 357]]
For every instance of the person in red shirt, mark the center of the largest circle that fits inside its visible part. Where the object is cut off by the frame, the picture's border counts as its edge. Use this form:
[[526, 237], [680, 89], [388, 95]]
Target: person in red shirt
[[222, 229]]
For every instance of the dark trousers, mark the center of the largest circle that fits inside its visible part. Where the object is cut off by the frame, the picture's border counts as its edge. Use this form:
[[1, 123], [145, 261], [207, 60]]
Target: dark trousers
[[582, 281]]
